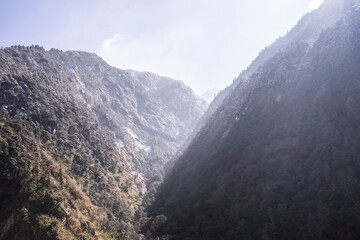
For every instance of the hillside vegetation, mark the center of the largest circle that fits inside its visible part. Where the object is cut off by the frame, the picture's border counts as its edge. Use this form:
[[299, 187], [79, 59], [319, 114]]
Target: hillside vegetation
[[279, 159], [83, 145]]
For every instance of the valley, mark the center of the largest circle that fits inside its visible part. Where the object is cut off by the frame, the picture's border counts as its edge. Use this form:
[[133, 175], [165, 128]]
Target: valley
[[91, 151]]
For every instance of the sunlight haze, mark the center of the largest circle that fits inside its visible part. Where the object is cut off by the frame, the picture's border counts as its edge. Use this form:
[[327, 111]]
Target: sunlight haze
[[206, 44]]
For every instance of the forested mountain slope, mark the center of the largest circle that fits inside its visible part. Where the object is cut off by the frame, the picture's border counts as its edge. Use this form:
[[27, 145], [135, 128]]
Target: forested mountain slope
[[307, 29], [279, 159], [81, 144]]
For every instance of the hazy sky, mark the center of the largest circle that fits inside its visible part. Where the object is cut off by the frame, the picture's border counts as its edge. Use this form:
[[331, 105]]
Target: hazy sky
[[205, 43]]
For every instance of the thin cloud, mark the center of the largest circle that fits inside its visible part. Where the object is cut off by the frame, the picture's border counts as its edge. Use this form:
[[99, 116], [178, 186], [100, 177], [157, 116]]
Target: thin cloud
[[162, 53], [107, 43], [204, 43]]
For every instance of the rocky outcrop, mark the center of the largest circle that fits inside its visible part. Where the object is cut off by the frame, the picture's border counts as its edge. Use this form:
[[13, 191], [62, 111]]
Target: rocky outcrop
[[149, 124], [82, 143]]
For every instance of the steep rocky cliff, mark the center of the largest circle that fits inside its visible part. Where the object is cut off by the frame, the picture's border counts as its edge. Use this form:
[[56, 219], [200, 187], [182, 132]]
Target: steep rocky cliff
[[82, 143]]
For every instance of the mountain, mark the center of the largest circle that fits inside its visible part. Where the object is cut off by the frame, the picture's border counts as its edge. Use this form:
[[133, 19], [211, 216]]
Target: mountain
[[179, 99], [209, 95], [83, 145], [279, 158], [307, 29], [124, 102]]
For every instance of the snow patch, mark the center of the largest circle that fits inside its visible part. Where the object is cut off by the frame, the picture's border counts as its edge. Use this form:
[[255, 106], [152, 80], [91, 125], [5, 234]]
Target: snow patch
[[132, 133], [78, 78], [146, 148], [138, 142]]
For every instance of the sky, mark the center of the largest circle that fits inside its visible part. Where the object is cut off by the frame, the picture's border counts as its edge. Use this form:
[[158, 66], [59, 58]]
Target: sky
[[204, 43]]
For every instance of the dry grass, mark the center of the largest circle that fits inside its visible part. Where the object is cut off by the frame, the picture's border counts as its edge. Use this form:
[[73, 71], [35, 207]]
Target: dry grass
[[79, 210]]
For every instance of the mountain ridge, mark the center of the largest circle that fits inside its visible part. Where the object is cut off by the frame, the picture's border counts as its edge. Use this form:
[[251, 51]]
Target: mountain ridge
[[279, 158], [307, 28], [92, 145]]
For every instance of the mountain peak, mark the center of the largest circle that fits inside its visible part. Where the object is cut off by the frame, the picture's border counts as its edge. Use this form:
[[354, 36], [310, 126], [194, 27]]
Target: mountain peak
[[209, 95]]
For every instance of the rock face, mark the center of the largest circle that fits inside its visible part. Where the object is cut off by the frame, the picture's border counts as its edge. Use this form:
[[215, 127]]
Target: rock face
[[178, 98], [279, 159], [84, 139], [156, 122]]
